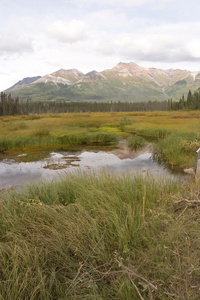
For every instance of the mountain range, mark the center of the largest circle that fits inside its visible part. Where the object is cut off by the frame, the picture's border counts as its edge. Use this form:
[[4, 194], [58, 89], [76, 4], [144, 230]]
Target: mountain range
[[124, 82]]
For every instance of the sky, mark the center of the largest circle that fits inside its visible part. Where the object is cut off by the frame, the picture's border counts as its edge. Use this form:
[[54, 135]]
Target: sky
[[38, 37]]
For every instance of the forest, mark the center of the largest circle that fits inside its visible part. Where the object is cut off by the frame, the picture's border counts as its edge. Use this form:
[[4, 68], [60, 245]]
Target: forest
[[13, 106]]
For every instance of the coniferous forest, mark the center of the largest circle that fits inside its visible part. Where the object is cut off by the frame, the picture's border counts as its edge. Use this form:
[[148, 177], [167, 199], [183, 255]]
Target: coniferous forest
[[13, 106]]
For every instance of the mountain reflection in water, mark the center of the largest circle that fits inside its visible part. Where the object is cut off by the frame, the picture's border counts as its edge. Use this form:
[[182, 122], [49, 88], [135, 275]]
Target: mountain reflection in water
[[16, 172]]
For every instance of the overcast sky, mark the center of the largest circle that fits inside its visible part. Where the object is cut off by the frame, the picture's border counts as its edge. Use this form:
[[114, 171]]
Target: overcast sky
[[38, 37]]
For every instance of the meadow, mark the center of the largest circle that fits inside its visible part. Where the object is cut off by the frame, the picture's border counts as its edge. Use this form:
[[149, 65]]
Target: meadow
[[175, 135], [102, 236]]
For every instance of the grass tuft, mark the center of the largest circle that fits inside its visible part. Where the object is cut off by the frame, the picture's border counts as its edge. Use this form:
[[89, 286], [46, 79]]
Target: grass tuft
[[136, 142], [178, 149]]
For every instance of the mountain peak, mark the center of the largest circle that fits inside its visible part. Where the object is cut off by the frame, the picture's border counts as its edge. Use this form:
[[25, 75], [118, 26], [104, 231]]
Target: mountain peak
[[127, 69], [72, 74], [127, 65], [63, 73], [91, 73]]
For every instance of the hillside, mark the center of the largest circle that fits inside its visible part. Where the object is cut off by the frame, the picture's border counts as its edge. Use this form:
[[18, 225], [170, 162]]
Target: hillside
[[124, 82]]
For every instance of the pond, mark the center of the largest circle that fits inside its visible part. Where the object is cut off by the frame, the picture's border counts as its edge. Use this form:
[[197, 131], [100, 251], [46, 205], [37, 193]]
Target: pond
[[21, 169]]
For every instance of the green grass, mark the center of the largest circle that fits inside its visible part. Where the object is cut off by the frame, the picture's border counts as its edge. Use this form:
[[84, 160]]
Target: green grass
[[99, 138], [102, 236], [99, 237], [136, 142], [159, 128], [42, 138], [178, 150], [154, 134]]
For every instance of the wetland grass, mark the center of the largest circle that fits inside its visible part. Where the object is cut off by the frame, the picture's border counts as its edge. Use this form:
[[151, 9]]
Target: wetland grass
[[178, 149], [42, 139], [94, 237], [102, 237], [136, 142], [170, 132]]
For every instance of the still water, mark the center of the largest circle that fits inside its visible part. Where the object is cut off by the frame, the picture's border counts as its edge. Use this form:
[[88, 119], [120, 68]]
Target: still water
[[17, 171]]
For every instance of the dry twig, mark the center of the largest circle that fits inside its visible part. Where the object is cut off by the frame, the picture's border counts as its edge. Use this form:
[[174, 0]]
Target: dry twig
[[131, 272]]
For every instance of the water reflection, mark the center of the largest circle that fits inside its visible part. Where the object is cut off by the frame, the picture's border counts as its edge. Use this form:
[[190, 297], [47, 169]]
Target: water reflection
[[18, 170]]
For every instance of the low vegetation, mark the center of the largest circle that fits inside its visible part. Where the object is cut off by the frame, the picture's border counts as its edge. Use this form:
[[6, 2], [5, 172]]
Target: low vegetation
[[175, 135], [101, 236], [178, 149], [136, 142]]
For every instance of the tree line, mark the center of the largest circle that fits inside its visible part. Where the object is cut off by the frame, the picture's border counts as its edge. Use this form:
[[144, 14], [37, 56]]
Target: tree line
[[12, 106], [191, 102], [9, 106]]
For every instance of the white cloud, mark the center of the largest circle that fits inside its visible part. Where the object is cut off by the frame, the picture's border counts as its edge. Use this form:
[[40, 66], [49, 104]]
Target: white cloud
[[166, 43], [109, 20], [115, 2], [193, 47], [68, 32], [13, 43]]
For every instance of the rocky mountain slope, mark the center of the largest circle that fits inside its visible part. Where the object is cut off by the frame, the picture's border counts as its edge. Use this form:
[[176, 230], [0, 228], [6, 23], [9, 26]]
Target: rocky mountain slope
[[124, 82], [23, 83]]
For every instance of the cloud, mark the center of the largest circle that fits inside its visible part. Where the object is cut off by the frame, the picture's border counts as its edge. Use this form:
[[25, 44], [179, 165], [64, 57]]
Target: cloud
[[68, 32], [12, 43], [119, 3], [164, 43], [113, 2]]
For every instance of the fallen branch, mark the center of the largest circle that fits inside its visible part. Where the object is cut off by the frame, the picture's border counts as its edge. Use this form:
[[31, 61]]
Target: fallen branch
[[131, 272], [184, 204], [135, 286]]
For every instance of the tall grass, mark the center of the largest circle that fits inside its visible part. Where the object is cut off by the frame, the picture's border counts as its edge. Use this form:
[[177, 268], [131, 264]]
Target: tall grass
[[136, 142], [42, 138], [178, 149], [153, 134], [96, 237], [89, 139]]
